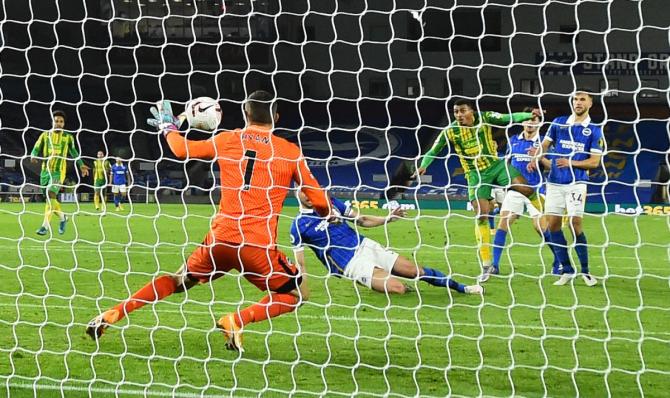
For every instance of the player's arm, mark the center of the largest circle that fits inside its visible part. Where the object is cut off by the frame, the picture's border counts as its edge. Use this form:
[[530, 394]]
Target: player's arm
[[37, 149], [503, 119], [183, 148], [74, 154], [435, 150], [368, 221], [299, 255], [310, 187], [595, 154]]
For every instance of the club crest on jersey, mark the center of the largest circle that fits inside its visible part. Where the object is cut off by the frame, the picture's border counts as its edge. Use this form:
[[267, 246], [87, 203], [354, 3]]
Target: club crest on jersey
[[586, 132], [536, 144]]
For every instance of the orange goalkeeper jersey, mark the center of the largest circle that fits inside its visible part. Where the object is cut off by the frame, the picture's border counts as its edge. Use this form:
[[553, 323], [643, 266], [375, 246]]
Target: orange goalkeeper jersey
[[257, 169]]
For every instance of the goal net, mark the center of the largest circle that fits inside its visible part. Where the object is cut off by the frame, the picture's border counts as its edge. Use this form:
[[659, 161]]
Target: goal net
[[364, 88]]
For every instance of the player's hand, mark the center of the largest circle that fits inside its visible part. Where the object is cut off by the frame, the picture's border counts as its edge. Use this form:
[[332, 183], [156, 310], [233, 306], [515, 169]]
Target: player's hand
[[562, 163], [532, 166], [164, 120], [397, 214], [419, 172], [532, 151], [84, 170], [538, 113]]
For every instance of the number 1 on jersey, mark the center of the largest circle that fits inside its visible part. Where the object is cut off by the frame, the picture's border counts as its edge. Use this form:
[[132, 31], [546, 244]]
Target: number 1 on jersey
[[249, 169]]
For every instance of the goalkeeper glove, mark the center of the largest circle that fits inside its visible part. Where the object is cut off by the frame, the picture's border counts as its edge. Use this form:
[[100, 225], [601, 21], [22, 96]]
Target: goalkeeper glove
[[164, 120]]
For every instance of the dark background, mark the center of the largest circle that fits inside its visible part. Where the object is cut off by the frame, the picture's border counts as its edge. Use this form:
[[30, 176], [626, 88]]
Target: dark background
[[335, 67]]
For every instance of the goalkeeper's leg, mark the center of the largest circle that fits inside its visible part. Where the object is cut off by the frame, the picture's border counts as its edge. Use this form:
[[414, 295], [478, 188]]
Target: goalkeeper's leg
[[154, 291], [267, 269]]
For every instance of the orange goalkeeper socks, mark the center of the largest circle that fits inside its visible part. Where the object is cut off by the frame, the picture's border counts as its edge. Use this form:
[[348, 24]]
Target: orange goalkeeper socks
[[153, 291], [270, 306]]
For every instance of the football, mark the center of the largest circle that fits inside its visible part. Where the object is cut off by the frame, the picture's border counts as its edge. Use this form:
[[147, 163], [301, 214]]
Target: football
[[203, 113]]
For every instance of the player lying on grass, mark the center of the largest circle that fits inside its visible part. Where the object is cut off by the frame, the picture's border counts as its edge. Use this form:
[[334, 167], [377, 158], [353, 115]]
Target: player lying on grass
[[514, 204], [257, 169], [345, 252]]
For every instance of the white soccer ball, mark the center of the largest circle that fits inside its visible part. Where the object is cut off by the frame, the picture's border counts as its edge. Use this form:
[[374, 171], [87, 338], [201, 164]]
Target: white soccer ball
[[203, 113]]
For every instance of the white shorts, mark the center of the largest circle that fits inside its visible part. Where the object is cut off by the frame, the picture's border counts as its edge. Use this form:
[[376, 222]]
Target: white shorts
[[498, 195], [567, 199], [368, 256], [118, 188], [517, 203]]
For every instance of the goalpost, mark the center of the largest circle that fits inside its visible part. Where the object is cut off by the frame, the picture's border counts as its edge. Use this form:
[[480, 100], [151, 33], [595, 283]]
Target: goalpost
[[363, 87]]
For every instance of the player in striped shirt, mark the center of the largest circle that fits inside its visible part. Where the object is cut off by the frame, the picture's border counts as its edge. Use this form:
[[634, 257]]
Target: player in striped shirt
[[578, 146], [345, 252], [257, 170], [53, 147], [471, 137], [101, 168]]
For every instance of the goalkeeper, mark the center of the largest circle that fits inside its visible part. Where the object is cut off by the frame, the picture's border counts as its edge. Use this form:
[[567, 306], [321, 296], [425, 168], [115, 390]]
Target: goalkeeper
[[257, 169], [346, 253], [470, 136], [53, 147]]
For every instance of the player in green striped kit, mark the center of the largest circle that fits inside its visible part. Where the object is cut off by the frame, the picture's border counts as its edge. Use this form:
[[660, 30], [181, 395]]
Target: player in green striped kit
[[101, 170], [471, 137], [53, 147]]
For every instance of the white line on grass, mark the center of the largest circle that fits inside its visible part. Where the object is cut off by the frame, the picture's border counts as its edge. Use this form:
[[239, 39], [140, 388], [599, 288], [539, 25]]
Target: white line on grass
[[122, 248], [380, 320], [115, 391]]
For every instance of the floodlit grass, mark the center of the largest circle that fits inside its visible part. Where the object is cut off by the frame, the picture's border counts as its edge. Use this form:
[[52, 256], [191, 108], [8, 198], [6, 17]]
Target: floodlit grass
[[525, 337]]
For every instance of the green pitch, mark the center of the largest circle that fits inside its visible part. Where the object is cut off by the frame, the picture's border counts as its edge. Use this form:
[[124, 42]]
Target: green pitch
[[524, 338]]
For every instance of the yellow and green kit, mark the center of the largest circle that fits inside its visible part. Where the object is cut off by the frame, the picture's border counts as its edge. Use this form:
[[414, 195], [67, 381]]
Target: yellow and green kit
[[477, 151], [101, 168], [54, 146]]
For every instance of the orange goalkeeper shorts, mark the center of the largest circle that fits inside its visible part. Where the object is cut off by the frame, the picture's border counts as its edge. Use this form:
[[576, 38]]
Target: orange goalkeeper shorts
[[267, 269]]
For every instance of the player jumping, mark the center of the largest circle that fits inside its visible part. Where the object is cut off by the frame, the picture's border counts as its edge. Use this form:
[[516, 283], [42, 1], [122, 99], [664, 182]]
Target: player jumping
[[257, 169]]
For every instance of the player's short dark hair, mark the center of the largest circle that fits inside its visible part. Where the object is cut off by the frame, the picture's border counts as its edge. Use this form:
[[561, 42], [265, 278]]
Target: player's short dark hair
[[585, 90], [466, 102], [58, 113], [260, 107]]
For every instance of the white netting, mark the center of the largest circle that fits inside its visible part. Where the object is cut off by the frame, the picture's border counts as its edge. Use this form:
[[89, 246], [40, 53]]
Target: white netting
[[365, 85]]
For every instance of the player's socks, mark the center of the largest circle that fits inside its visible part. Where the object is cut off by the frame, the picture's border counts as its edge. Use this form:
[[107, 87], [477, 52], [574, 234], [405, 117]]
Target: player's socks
[[57, 210], [117, 202], [492, 217], [559, 243], [498, 245], [483, 233], [270, 306], [153, 291], [556, 265], [96, 200], [437, 278], [582, 252]]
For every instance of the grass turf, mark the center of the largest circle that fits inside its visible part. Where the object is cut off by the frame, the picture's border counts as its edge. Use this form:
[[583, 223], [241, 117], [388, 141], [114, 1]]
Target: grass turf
[[525, 337]]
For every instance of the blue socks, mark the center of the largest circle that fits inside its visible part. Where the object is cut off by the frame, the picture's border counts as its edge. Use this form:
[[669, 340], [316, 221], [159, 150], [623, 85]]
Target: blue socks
[[498, 245], [547, 238], [117, 200], [492, 217], [560, 249], [437, 278], [582, 252]]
